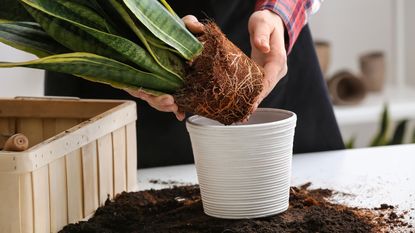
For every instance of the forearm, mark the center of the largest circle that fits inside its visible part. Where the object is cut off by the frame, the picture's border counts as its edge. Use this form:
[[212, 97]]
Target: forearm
[[294, 14]]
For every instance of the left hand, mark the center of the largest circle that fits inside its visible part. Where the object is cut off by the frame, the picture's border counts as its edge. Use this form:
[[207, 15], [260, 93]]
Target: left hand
[[166, 103], [266, 31]]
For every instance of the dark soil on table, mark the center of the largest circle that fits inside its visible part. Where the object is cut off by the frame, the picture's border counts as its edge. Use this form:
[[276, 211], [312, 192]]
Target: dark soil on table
[[180, 210]]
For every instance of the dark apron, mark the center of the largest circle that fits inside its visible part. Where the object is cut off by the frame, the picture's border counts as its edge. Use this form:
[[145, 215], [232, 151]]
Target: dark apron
[[162, 140]]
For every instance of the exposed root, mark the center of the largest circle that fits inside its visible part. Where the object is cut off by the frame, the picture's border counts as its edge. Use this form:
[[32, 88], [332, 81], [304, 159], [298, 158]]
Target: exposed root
[[222, 83]]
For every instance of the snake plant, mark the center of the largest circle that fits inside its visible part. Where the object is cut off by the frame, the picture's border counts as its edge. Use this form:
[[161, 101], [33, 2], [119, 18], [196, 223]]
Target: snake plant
[[85, 38], [135, 44]]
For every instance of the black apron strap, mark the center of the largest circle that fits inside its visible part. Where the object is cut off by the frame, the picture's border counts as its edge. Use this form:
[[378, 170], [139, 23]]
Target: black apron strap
[[303, 91]]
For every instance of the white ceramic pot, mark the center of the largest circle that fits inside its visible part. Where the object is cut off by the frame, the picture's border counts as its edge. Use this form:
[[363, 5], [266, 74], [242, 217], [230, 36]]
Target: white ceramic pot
[[244, 170]]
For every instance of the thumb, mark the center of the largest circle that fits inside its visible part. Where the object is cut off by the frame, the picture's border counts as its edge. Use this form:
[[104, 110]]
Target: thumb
[[260, 34]]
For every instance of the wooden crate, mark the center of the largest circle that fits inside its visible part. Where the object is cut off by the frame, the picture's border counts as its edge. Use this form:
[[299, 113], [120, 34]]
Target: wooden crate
[[81, 152]]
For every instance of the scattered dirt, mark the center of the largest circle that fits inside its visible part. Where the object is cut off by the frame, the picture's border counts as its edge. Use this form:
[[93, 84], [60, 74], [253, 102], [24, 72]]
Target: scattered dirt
[[172, 183], [180, 210]]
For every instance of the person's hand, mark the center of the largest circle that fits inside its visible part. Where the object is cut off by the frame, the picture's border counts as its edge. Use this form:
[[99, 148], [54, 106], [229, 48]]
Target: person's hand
[[266, 31], [165, 103]]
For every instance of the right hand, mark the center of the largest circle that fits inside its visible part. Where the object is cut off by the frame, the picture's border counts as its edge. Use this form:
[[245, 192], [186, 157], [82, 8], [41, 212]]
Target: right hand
[[165, 103]]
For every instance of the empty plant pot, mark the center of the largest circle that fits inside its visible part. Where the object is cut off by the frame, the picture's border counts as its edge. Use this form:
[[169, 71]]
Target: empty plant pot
[[346, 89], [323, 54], [244, 170], [373, 70]]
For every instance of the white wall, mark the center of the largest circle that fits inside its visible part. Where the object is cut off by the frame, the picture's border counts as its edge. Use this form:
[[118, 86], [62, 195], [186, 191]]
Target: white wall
[[19, 81], [409, 41], [354, 27]]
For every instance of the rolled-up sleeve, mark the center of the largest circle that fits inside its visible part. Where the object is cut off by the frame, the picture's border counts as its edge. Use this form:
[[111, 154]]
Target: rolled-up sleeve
[[294, 14]]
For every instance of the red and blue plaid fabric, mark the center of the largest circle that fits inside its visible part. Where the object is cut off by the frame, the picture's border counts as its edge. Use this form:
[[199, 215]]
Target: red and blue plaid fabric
[[294, 13]]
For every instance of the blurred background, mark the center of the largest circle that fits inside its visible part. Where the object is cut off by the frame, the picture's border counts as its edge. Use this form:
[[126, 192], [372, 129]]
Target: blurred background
[[367, 55]]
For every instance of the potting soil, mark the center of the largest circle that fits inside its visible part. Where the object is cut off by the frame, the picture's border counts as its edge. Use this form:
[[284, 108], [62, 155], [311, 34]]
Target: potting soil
[[180, 210]]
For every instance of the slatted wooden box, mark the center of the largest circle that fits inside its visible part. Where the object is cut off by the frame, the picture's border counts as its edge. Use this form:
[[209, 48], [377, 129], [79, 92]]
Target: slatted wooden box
[[81, 152]]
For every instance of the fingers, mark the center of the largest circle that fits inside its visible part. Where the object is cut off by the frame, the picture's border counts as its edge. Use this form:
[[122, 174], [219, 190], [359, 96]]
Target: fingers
[[268, 49], [163, 103], [180, 115], [193, 24], [260, 32]]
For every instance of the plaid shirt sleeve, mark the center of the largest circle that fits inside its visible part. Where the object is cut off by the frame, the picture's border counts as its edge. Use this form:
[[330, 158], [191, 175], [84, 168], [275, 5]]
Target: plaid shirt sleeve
[[294, 14]]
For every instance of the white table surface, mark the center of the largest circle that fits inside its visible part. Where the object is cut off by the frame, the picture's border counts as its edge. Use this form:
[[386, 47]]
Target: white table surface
[[372, 176]]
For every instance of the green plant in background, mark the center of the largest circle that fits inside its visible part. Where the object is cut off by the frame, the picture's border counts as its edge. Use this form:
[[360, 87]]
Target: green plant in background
[[413, 136], [382, 138], [398, 135], [350, 143]]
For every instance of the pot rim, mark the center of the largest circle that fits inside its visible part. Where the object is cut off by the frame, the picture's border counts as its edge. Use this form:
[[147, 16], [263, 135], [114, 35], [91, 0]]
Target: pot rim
[[291, 116]]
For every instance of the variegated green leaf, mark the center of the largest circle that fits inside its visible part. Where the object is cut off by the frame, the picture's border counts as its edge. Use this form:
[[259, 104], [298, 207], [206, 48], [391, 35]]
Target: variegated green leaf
[[29, 37], [80, 13], [168, 7], [169, 61], [165, 26], [71, 36], [125, 48], [99, 69], [105, 8]]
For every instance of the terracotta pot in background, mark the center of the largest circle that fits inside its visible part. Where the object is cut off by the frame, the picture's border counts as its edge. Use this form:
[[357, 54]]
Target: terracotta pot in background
[[323, 54], [372, 66], [346, 89]]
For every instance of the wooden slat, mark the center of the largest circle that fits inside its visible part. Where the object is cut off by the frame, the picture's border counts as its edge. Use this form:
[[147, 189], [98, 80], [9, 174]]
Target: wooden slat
[[131, 139], [9, 210], [7, 125], [4, 130], [41, 200], [4, 125], [119, 156], [65, 124], [90, 178], [12, 126], [105, 168], [26, 203], [74, 186], [49, 128], [58, 195], [32, 128], [55, 108]]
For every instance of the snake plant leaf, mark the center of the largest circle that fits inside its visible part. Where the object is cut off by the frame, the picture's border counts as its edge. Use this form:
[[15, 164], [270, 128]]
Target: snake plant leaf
[[123, 86], [99, 69], [125, 48], [29, 37], [97, 7], [82, 14], [105, 8], [168, 7], [165, 26], [71, 36], [12, 10], [73, 11], [169, 61]]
